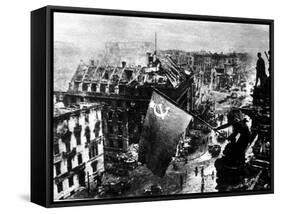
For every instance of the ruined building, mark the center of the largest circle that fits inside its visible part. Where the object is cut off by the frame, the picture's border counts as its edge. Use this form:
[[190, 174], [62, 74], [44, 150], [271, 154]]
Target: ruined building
[[77, 148], [125, 90]]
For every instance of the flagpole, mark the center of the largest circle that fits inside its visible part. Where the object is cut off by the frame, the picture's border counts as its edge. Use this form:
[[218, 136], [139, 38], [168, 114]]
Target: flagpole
[[207, 124]]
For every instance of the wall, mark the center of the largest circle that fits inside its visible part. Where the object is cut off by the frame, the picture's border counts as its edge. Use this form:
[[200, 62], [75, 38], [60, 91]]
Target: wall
[[15, 107]]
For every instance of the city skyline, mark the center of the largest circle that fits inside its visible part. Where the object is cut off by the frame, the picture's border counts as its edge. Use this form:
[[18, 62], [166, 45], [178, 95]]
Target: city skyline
[[83, 36], [91, 32]]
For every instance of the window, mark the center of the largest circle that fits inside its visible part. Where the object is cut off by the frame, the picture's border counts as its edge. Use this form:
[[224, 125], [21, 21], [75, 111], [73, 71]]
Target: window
[[59, 186], [56, 148], [66, 137], [106, 76], [80, 159], [102, 88], [110, 115], [97, 128], [94, 166], [58, 170], [120, 144], [90, 153], [120, 116], [94, 87], [111, 88], [70, 181], [76, 86], [69, 164], [95, 147], [67, 146], [85, 87], [88, 134], [87, 117], [77, 133]]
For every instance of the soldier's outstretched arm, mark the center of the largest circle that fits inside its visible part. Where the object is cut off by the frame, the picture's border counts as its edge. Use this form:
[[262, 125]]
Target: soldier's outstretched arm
[[223, 126]]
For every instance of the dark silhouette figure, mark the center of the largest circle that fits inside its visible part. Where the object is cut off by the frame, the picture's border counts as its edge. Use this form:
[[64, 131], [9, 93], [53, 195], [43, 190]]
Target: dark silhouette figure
[[261, 75], [234, 152], [230, 167]]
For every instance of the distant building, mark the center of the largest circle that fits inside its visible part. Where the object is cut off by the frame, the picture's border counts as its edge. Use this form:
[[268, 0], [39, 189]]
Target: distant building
[[77, 149], [134, 53], [220, 70]]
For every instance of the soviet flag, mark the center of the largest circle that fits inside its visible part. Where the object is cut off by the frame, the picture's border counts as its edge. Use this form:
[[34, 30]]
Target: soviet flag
[[164, 124]]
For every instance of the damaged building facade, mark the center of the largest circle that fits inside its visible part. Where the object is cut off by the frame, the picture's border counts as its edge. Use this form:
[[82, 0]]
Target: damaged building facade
[[215, 70], [125, 90], [220, 70], [77, 149]]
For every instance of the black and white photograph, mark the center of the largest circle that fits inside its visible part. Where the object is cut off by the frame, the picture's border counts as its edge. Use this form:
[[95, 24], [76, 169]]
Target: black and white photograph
[[146, 107], [121, 106]]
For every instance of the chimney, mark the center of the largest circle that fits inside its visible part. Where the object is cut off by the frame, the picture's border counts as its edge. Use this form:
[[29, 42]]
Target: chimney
[[155, 48], [123, 64]]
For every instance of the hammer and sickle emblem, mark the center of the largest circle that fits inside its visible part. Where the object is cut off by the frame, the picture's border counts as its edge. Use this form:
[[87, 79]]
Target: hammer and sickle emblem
[[158, 111]]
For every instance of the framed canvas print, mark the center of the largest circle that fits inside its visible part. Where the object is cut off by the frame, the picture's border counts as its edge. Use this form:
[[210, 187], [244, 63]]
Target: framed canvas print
[[134, 106]]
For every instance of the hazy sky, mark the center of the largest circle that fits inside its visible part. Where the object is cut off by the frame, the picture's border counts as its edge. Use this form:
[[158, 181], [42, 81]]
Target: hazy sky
[[90, 32]]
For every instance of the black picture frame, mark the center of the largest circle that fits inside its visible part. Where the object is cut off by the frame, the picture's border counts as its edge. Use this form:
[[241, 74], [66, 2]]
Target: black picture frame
[[42, 102]]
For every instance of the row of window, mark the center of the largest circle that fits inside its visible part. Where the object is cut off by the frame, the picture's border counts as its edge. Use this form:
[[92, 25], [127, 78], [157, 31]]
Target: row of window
[[67, 137], [93, 151], [70, 184], [93, 88], [69, 164], [94, 166]]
